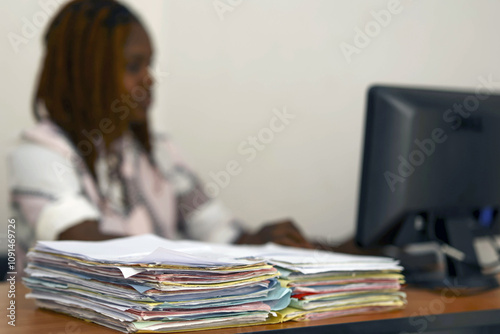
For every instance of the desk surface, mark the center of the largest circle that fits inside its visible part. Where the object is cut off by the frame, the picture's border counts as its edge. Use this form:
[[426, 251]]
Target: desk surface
[[425, 311]]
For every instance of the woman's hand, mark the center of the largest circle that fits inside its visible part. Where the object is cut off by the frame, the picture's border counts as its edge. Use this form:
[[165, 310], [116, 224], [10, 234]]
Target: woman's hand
[[283, 233]]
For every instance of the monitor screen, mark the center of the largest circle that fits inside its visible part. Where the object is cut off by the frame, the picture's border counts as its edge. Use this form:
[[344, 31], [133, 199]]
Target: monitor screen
[[427, 152]]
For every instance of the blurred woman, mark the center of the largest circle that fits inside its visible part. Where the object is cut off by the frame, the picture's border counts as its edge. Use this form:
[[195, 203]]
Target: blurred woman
[[90, 169]]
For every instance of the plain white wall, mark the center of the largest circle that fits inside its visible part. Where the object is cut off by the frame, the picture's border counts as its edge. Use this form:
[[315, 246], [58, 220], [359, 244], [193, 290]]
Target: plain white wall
[[230, 63]]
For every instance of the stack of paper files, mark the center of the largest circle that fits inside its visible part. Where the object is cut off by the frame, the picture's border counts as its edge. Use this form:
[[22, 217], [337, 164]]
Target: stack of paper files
[[147, 284], [327, 284]]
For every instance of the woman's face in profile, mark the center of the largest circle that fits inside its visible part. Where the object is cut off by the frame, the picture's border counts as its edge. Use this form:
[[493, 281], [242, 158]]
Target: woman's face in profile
[[137, 78]]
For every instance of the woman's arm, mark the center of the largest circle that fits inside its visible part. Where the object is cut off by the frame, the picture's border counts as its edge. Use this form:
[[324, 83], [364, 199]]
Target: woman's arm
[[87, 231]]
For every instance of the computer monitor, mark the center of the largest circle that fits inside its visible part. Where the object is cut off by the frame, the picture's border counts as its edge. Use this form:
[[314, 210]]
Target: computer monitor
[[431, 172]]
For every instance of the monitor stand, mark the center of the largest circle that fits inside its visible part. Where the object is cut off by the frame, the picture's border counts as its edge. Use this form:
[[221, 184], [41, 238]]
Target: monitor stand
[[460, 268]]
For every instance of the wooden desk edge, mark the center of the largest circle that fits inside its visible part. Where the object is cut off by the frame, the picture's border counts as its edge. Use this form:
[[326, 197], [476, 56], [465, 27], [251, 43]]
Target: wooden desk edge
[[426, 310]]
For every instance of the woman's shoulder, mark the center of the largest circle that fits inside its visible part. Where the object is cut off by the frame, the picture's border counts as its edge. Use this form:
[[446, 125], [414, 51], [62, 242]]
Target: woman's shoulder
[[41, 152], [43, 139]]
